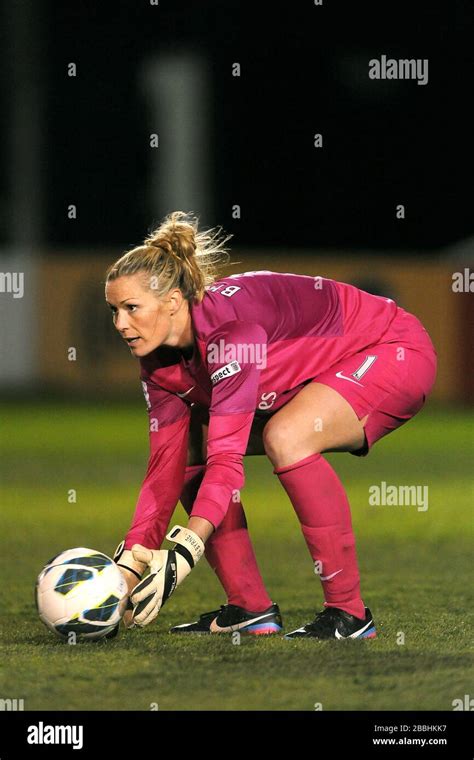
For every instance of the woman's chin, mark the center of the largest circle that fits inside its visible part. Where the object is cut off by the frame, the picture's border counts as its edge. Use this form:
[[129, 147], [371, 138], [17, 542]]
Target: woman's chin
[[138, 349], [142, 349]]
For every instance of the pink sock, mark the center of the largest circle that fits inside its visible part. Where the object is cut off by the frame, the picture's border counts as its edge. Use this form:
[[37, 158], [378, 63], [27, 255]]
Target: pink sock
[[229, 550], [321, 505]]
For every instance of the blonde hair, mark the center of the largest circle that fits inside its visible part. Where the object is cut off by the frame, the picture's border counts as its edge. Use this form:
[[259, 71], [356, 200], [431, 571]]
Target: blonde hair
[[176, 255]]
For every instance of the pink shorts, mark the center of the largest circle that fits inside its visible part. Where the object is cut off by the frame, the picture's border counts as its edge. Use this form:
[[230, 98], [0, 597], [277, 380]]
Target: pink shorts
[[388, 381]]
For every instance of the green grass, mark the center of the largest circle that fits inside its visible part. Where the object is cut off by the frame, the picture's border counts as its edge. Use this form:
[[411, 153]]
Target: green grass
[[415, 570]]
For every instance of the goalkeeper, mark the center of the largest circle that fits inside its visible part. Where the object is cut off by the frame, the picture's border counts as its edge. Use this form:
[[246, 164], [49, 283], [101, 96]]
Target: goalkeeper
[[283, 365]]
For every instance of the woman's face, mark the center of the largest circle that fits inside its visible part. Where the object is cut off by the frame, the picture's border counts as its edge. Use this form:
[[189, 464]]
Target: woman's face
[[142, 320]]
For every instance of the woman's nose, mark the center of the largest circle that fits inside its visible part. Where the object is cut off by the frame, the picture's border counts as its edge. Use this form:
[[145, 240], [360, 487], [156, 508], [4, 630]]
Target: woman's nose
[[120, 321]]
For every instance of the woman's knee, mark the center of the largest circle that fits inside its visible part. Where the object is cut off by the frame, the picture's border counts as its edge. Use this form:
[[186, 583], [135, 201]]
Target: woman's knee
[[283, 445]]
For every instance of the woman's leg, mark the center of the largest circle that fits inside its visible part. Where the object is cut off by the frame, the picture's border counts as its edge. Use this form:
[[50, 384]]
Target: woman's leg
[[229, 550], [347, 408], [319, 419]]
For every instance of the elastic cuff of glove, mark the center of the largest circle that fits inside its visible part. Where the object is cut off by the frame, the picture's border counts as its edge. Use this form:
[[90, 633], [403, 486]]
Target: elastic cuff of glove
[[190, 542], [127, 561]]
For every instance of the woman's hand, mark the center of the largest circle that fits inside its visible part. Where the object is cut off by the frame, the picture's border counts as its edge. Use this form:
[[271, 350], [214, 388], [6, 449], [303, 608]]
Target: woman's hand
[[167, 570]]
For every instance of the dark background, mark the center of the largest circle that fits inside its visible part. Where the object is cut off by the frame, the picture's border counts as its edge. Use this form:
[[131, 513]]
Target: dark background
[[304, 70]]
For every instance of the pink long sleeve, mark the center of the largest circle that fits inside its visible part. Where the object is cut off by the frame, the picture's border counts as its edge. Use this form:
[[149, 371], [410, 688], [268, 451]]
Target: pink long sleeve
[[161, 488], [232, 409]]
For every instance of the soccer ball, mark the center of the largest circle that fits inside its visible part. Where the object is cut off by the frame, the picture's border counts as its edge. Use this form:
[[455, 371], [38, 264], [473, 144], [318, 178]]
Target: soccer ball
[[81, 591]]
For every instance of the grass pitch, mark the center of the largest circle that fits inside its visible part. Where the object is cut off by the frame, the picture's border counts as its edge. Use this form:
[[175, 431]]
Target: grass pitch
[[415, 569]]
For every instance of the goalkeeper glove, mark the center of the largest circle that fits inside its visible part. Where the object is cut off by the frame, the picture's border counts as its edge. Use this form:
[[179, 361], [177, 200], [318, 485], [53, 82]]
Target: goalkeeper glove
[[167, 570]]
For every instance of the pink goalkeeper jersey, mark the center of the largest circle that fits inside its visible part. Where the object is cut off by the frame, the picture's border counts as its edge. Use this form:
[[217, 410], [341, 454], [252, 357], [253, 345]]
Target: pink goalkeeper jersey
[[259, 338]]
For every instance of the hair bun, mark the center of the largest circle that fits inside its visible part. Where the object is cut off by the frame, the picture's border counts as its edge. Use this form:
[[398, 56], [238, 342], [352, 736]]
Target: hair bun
[[177, 255], [177, 235]]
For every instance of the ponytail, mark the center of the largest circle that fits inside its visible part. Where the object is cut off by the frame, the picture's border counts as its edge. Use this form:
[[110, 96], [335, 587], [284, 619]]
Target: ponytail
[[176, 255]]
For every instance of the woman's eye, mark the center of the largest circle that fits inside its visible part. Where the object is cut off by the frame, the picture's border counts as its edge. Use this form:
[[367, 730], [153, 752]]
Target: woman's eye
[[131, 306]]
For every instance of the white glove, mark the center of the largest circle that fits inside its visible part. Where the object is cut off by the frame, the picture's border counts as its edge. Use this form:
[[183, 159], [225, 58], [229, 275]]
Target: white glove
[[167, 570]]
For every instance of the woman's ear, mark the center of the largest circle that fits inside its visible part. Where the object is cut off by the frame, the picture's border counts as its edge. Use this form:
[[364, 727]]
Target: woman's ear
[[176, 299]]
